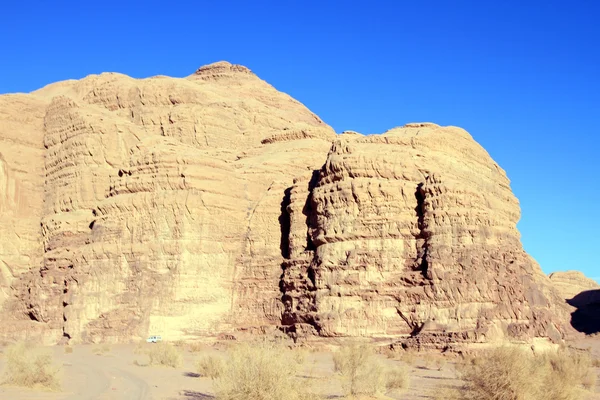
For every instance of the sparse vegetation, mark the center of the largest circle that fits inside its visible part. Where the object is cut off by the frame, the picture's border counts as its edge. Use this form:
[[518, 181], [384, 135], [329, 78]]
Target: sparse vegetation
[[596, 362], [31, 367], [68, 349], [101, 349], [164, 354], [260, 372], [364, 374], [141, 348], [209, 366], [196, 347], [433, 361], [511, 373]]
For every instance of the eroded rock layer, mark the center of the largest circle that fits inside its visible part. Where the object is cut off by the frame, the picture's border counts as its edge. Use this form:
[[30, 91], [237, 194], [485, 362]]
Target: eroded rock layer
[[413, 232], [148, 206], [571, 283], [210, 204]]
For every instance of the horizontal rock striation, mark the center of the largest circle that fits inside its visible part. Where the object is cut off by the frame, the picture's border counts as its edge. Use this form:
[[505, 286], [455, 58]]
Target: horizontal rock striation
[[413, 232], [570, 283], [215, 204], [156, 204]]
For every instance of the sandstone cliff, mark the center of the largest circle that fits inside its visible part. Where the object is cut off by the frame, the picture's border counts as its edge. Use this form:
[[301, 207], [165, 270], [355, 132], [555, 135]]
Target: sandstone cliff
[[570, 283], [414, 232], [214, 203], [583, 295]]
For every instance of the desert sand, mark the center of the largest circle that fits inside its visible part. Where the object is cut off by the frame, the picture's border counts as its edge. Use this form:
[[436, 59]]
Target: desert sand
[[114, 375]]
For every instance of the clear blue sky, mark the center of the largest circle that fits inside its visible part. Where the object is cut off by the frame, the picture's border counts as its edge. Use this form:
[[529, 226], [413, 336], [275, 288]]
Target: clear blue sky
[[522, 76]]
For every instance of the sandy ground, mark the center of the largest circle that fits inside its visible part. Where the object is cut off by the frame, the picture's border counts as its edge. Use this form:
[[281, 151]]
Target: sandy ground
[[115, 376]]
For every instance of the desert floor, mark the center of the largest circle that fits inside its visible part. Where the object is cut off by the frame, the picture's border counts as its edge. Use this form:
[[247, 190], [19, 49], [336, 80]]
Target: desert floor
[[115, 375]]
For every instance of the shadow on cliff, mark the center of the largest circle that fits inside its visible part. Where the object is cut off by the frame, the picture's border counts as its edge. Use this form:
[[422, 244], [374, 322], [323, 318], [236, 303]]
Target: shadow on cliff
[[586, 318]]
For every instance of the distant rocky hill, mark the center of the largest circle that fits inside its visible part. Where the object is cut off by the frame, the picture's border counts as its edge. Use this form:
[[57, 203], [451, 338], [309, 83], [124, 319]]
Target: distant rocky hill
[[571, 283], [215, 204], [583, 295]]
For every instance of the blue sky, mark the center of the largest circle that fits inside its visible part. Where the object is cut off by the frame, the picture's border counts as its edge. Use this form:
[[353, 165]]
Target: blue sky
[[522, 77]]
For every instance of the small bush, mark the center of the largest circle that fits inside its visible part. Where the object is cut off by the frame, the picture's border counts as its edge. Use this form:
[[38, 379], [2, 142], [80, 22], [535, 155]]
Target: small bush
[[299, 355], [396, 378], [364, 374], [515, 374], [596, 362], [164, 354], [260, 372], [31, 367], [101, 349], [567, 370], [209, 366], [141, 348], [196, 347]]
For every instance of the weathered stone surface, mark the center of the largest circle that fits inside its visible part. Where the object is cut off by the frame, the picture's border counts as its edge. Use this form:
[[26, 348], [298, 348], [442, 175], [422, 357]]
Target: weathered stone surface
[[583, 295], [414, 232], [159, 202], [209, 204], [570, 283]]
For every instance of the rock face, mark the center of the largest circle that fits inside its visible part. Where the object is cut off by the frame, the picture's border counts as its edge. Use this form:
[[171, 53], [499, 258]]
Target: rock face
[[414, 232], [570, 283], [210, 204], [583, 294]]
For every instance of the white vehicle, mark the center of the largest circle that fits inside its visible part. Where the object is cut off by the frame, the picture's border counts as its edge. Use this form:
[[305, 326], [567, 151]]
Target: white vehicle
[[154, 339]]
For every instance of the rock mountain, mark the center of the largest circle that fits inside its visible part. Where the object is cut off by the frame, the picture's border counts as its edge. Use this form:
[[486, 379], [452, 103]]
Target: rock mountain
[[215, 204]]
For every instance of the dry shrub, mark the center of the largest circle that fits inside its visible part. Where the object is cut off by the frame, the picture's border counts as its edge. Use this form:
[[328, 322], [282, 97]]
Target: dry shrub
[[567, 371], [261, 371], [596, 362], [101, 349], [196, 347], [364, 374], [164, 354], [209, 366], [396, 378], [433, 361], [141, 348], [511, 373], [31, 367], [299, 355]]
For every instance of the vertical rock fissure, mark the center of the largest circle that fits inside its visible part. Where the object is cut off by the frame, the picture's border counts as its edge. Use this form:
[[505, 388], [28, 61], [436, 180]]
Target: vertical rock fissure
[[421, 263], [298, 278]]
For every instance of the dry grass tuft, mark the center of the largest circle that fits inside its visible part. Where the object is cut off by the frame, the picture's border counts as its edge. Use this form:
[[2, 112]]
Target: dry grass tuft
[[515, 374], [164, 354], [196, 347], [141, 347], [596, 362], [31, 367], [262, 371], [364, 374], [210, 366], [102, 349], [433, 361], [396, 378]]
